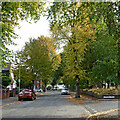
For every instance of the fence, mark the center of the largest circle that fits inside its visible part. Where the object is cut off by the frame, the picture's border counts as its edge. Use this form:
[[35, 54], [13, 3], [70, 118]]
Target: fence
[[4, 93], [13, 92]]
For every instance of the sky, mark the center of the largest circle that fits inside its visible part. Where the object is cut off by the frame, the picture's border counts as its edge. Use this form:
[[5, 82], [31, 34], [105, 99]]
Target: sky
[[28, 30]]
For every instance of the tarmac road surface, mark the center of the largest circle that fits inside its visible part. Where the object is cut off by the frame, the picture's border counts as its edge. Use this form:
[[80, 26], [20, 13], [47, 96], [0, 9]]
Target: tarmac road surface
[[54, 105]]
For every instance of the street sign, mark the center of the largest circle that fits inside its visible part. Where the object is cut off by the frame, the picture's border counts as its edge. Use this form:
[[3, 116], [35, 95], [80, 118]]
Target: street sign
[[41, 82]]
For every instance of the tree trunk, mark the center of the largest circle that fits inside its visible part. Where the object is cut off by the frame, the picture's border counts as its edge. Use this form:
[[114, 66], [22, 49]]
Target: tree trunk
[[118, 43], [108, 85], [116, 86], [45, 86], [77, 87], [100, 85]]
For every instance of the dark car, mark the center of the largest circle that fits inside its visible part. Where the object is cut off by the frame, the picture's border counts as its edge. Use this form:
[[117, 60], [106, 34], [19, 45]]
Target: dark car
[[26, 94]]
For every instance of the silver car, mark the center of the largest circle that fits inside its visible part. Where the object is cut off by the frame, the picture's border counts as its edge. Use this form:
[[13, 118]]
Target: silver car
[[65, 91]]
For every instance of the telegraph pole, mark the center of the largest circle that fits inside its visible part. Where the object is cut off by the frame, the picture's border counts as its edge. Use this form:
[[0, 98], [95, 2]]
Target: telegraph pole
[[19, 74]]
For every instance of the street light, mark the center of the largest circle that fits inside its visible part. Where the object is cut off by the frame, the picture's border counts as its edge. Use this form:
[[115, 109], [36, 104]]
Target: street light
[[19, 74]]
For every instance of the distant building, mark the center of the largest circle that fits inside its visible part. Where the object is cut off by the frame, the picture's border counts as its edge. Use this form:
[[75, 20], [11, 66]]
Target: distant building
[[8, 71], [36, 85]]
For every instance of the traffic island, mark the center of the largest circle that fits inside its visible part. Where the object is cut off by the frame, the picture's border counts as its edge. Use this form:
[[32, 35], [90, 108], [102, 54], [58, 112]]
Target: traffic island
[[89, 97], [102, 93], [83, 98]]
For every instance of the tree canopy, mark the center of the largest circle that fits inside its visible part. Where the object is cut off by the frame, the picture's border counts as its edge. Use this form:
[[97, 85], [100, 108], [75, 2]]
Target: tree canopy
[[89, 32], [12, 13], [38, 58], [78, 25]]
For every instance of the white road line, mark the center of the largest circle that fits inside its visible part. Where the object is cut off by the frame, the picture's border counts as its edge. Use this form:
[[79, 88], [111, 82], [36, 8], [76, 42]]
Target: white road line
[[92, 109], [87, 111]]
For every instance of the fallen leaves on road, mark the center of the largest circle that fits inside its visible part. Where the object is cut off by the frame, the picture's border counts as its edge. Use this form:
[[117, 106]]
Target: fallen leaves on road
[[10, 104], [86, 99], [75, 100], [89, 97]]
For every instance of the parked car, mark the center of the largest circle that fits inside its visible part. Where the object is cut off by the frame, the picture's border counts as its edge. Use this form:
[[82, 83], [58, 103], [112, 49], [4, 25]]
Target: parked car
[[49, 87], [65, 91], [26, 94], [55, 88]]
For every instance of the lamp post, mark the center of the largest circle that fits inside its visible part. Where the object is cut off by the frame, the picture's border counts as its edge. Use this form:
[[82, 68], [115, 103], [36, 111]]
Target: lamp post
[[19, 74]]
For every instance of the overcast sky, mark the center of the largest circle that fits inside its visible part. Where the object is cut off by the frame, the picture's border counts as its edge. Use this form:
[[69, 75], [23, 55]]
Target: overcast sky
[[28, 30]]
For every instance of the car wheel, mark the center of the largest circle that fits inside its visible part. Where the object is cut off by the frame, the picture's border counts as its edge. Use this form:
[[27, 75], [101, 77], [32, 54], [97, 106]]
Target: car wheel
[[32, 98], [19, 99]]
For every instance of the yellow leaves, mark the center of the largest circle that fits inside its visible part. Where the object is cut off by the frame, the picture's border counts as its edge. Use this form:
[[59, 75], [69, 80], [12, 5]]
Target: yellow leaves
[[56, 62], [84, 32]]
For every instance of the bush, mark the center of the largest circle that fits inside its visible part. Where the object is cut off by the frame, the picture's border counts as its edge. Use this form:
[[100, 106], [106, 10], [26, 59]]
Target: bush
[[6, 81]]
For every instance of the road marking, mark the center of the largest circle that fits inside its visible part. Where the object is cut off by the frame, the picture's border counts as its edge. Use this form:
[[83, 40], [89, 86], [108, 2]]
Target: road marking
[[9, 104], [87, 110], [101, 113], [92, 109]]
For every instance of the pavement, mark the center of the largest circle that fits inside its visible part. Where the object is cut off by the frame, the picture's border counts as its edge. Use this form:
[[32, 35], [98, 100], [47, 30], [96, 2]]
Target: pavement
[[12, 100], [9, 100], [113, 114]]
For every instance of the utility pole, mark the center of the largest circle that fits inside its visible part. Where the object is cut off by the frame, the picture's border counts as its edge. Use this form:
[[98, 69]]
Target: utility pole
[[19, 74]]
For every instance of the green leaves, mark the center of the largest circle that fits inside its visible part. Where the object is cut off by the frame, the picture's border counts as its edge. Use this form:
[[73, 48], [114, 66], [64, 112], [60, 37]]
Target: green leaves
[[90, 32], [101, 57], [11, 13], [6, 81], [39, 60]]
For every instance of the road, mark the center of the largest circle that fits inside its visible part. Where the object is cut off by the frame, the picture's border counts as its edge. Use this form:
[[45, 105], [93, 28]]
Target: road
[[54, 105]]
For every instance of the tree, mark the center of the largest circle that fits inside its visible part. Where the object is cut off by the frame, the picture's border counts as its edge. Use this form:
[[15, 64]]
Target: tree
[[70, 24], [6, 81], [26, 76], [100, 60], [40, 59], [11, 13], [110, 12]]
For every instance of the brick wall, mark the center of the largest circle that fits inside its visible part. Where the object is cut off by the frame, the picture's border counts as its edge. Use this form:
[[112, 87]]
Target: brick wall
[[4, 93]]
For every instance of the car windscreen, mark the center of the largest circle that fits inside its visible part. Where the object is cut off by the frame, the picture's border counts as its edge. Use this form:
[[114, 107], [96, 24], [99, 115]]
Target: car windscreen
[[25, 91], [60, 84]]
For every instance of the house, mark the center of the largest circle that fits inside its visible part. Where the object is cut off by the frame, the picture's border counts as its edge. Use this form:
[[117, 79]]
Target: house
[[7, 70], [36, 85]]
